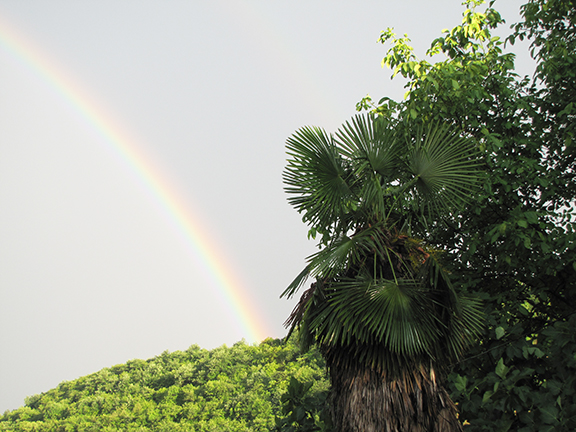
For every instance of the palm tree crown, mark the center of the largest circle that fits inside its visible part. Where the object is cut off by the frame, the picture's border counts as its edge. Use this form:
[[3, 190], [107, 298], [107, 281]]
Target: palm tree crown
[[379, 294]]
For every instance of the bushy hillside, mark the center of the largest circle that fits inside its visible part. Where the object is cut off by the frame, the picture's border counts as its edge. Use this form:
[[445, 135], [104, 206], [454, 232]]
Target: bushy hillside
[[234, 388]]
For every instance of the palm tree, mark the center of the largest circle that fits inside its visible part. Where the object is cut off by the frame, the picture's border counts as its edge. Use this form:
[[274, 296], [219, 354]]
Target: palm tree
[[381, 308]]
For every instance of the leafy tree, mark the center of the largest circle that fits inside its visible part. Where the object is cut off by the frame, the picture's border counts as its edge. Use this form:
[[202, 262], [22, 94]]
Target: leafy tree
[[302, 409], [236, 388], [515, 247], [382, 309]]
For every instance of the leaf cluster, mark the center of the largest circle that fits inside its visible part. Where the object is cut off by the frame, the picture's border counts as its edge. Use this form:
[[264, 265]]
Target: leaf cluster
[[304, 408]]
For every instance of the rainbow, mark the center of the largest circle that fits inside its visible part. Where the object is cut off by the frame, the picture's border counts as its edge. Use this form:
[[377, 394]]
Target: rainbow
[[135, 160]]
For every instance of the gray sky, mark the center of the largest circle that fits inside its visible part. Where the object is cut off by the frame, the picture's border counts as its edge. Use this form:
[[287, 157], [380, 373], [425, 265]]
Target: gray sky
[[94, 268]]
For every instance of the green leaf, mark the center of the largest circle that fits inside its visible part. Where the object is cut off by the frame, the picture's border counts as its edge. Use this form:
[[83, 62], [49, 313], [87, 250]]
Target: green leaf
[[460, 383], [487, 395], [499, 332], [501, 369], [531, 217], [549, 414], [522, 223], [444, 169], [316, 178]]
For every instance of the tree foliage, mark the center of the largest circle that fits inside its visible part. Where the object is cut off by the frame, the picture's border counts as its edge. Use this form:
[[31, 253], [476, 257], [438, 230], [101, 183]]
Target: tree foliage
[[227, 389], [364, 190], [516, 245], [303, 409], [382, 309]]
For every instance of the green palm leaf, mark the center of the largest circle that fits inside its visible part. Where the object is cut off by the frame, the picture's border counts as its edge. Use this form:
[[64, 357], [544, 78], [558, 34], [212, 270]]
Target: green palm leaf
[[382, 312], [372, 144], [317, 178], [443, 167]]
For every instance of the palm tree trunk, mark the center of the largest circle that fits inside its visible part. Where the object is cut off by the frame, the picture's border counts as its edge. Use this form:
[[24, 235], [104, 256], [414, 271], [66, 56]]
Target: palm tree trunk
[[366, 400]]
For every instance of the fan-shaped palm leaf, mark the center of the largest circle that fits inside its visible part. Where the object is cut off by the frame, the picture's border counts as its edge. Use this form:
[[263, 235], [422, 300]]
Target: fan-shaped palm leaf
[[443, 168], [372, 144], [317, 178]]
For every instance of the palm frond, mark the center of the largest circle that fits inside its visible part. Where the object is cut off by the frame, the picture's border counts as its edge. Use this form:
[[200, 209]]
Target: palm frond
[[444, 167], [297, 282], [317, 178], [409, 317], [335, 257], [372, 146], [371, 143], [394, 315]]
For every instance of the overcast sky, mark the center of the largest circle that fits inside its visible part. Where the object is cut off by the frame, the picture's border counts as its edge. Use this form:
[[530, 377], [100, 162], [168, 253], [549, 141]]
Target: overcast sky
[[95, 269]]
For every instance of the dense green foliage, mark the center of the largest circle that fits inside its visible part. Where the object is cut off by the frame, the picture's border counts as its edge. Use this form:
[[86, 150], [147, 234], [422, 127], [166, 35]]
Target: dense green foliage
[[304, 408], [516, 246], [226, 389], [381, 308], [364, 189]]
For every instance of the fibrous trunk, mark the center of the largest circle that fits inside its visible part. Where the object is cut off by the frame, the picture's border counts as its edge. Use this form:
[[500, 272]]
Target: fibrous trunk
[[367, 400]]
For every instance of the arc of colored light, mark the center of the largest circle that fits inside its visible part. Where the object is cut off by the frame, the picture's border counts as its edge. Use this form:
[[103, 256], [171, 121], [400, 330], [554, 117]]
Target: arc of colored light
[[148, 175]]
